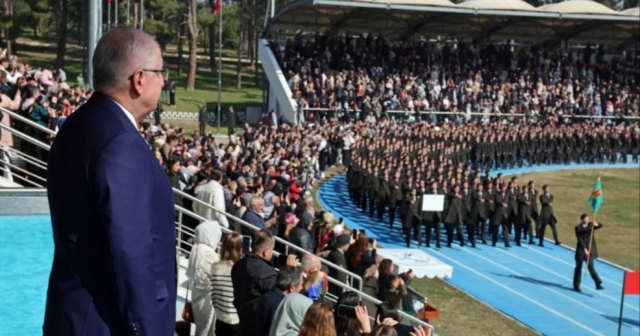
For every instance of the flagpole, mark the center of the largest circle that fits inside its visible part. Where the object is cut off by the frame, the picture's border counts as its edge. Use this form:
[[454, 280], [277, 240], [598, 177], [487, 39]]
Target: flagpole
[[624, 281], [592, 229], [220, 67]]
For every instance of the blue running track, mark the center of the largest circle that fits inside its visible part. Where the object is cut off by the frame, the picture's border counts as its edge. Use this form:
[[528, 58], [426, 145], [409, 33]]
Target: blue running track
[[530, 283]]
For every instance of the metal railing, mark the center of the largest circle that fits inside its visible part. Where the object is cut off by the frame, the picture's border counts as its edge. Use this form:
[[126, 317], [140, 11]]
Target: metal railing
[[461, 113], [181, 229]]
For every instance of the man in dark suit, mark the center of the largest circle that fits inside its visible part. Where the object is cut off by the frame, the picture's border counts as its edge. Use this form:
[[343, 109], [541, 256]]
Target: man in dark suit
[[289, 280], [336, 256], [112, 208], [395, 198], [524, 216], [412, 219], [533, 196], [583, 233], [499, 218], [546, 216], [383, 194], [231, 120], [203, 119]]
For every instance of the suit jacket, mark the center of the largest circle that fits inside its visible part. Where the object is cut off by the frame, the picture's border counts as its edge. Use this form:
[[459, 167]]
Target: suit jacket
[[512, 200], [478, 208], [112, 212], [546, 214], [500, 213], [413, 212], [583, 234], [533, 195], [524, 209], [337, 257]]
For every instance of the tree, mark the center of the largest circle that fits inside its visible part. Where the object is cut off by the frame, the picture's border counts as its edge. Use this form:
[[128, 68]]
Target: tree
[[62, 15], [240, 41], [192, 29]]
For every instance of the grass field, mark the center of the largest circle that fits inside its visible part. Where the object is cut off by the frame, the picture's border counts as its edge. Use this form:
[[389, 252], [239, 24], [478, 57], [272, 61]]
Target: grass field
[[617, 242], [206, 91]]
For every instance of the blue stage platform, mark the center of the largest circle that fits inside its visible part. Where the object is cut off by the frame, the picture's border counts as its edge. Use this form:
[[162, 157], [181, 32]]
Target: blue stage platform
[[530, 283]]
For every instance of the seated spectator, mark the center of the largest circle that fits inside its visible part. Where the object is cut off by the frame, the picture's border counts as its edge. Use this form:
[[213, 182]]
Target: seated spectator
[[289, 315], [289, 280], [349, 326], [318, 321], [222, 294], [316, 282], [203, 256]]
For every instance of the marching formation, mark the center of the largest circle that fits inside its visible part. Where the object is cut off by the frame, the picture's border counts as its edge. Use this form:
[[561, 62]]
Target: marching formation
[[394, 164]]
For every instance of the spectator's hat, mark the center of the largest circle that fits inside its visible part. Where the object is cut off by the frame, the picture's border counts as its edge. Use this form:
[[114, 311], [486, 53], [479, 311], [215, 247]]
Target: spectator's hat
[[338, 229], [343, 240]]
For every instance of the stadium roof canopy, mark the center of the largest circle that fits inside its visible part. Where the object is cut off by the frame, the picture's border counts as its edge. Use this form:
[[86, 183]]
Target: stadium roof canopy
[[578, 21]]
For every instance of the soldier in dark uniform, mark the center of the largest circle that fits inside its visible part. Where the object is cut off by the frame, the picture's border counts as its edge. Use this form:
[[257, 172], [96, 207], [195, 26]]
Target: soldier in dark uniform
[[533, 196], [366, 175], [395, 198], [583, 233], [499, 218], [383, 194], [477, 215], [412, 219], [490, 207], [455, 215], [524, 216], [635, 147], [374, 186], [511, 216], [546, 216]]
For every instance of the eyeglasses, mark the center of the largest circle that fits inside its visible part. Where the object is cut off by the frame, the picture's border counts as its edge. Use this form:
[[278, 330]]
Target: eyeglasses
[[157, 71]]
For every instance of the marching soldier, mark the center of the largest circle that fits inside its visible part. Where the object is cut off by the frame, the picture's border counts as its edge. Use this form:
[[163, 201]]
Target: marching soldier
[[585, 250], [546, 215], [524, 216]]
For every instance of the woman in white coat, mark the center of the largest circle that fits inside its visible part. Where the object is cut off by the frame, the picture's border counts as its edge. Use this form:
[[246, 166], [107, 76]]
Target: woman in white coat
[[203, 255]]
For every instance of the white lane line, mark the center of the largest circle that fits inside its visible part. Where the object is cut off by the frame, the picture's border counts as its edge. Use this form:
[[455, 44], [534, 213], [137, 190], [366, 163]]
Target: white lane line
[[570, 280], [549, 289], [570, 264], [518, 294]]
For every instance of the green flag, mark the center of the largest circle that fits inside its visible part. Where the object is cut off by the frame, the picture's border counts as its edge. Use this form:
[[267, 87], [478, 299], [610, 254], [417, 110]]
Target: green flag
[[597, 197]]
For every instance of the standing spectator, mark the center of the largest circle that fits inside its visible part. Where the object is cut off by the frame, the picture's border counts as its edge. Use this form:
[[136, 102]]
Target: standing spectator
[[255, 216], [231, 120], [46, 79], [252, 277], [157, 114], [358, 258], [212, 193], [115, 234], [172, 94], [346, 326], [203, 119], [289, 315], [203, 256], [336, 256], [172, 168], [222, 295], [289, 280]]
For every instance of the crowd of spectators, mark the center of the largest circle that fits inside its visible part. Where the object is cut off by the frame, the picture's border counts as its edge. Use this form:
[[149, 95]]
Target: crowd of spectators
[[263, 174], [369, 75]]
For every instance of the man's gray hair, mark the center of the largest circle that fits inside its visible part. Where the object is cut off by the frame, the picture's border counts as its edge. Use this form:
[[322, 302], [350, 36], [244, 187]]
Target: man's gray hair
[[119, 53], [255, 201], [288, 275], [310, 261], [308, 198]]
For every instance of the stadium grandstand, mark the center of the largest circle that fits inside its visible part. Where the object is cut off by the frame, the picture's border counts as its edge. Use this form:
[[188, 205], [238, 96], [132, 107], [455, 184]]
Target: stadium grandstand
[[434, 92]]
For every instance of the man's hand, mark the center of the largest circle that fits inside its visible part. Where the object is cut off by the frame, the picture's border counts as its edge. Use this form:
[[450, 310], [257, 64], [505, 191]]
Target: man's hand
[[387, 321], [595, 224], [586, 252], [292, 260]]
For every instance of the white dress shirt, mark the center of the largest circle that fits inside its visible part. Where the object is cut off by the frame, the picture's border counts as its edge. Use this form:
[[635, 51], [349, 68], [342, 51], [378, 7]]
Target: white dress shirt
[[128, 114]]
